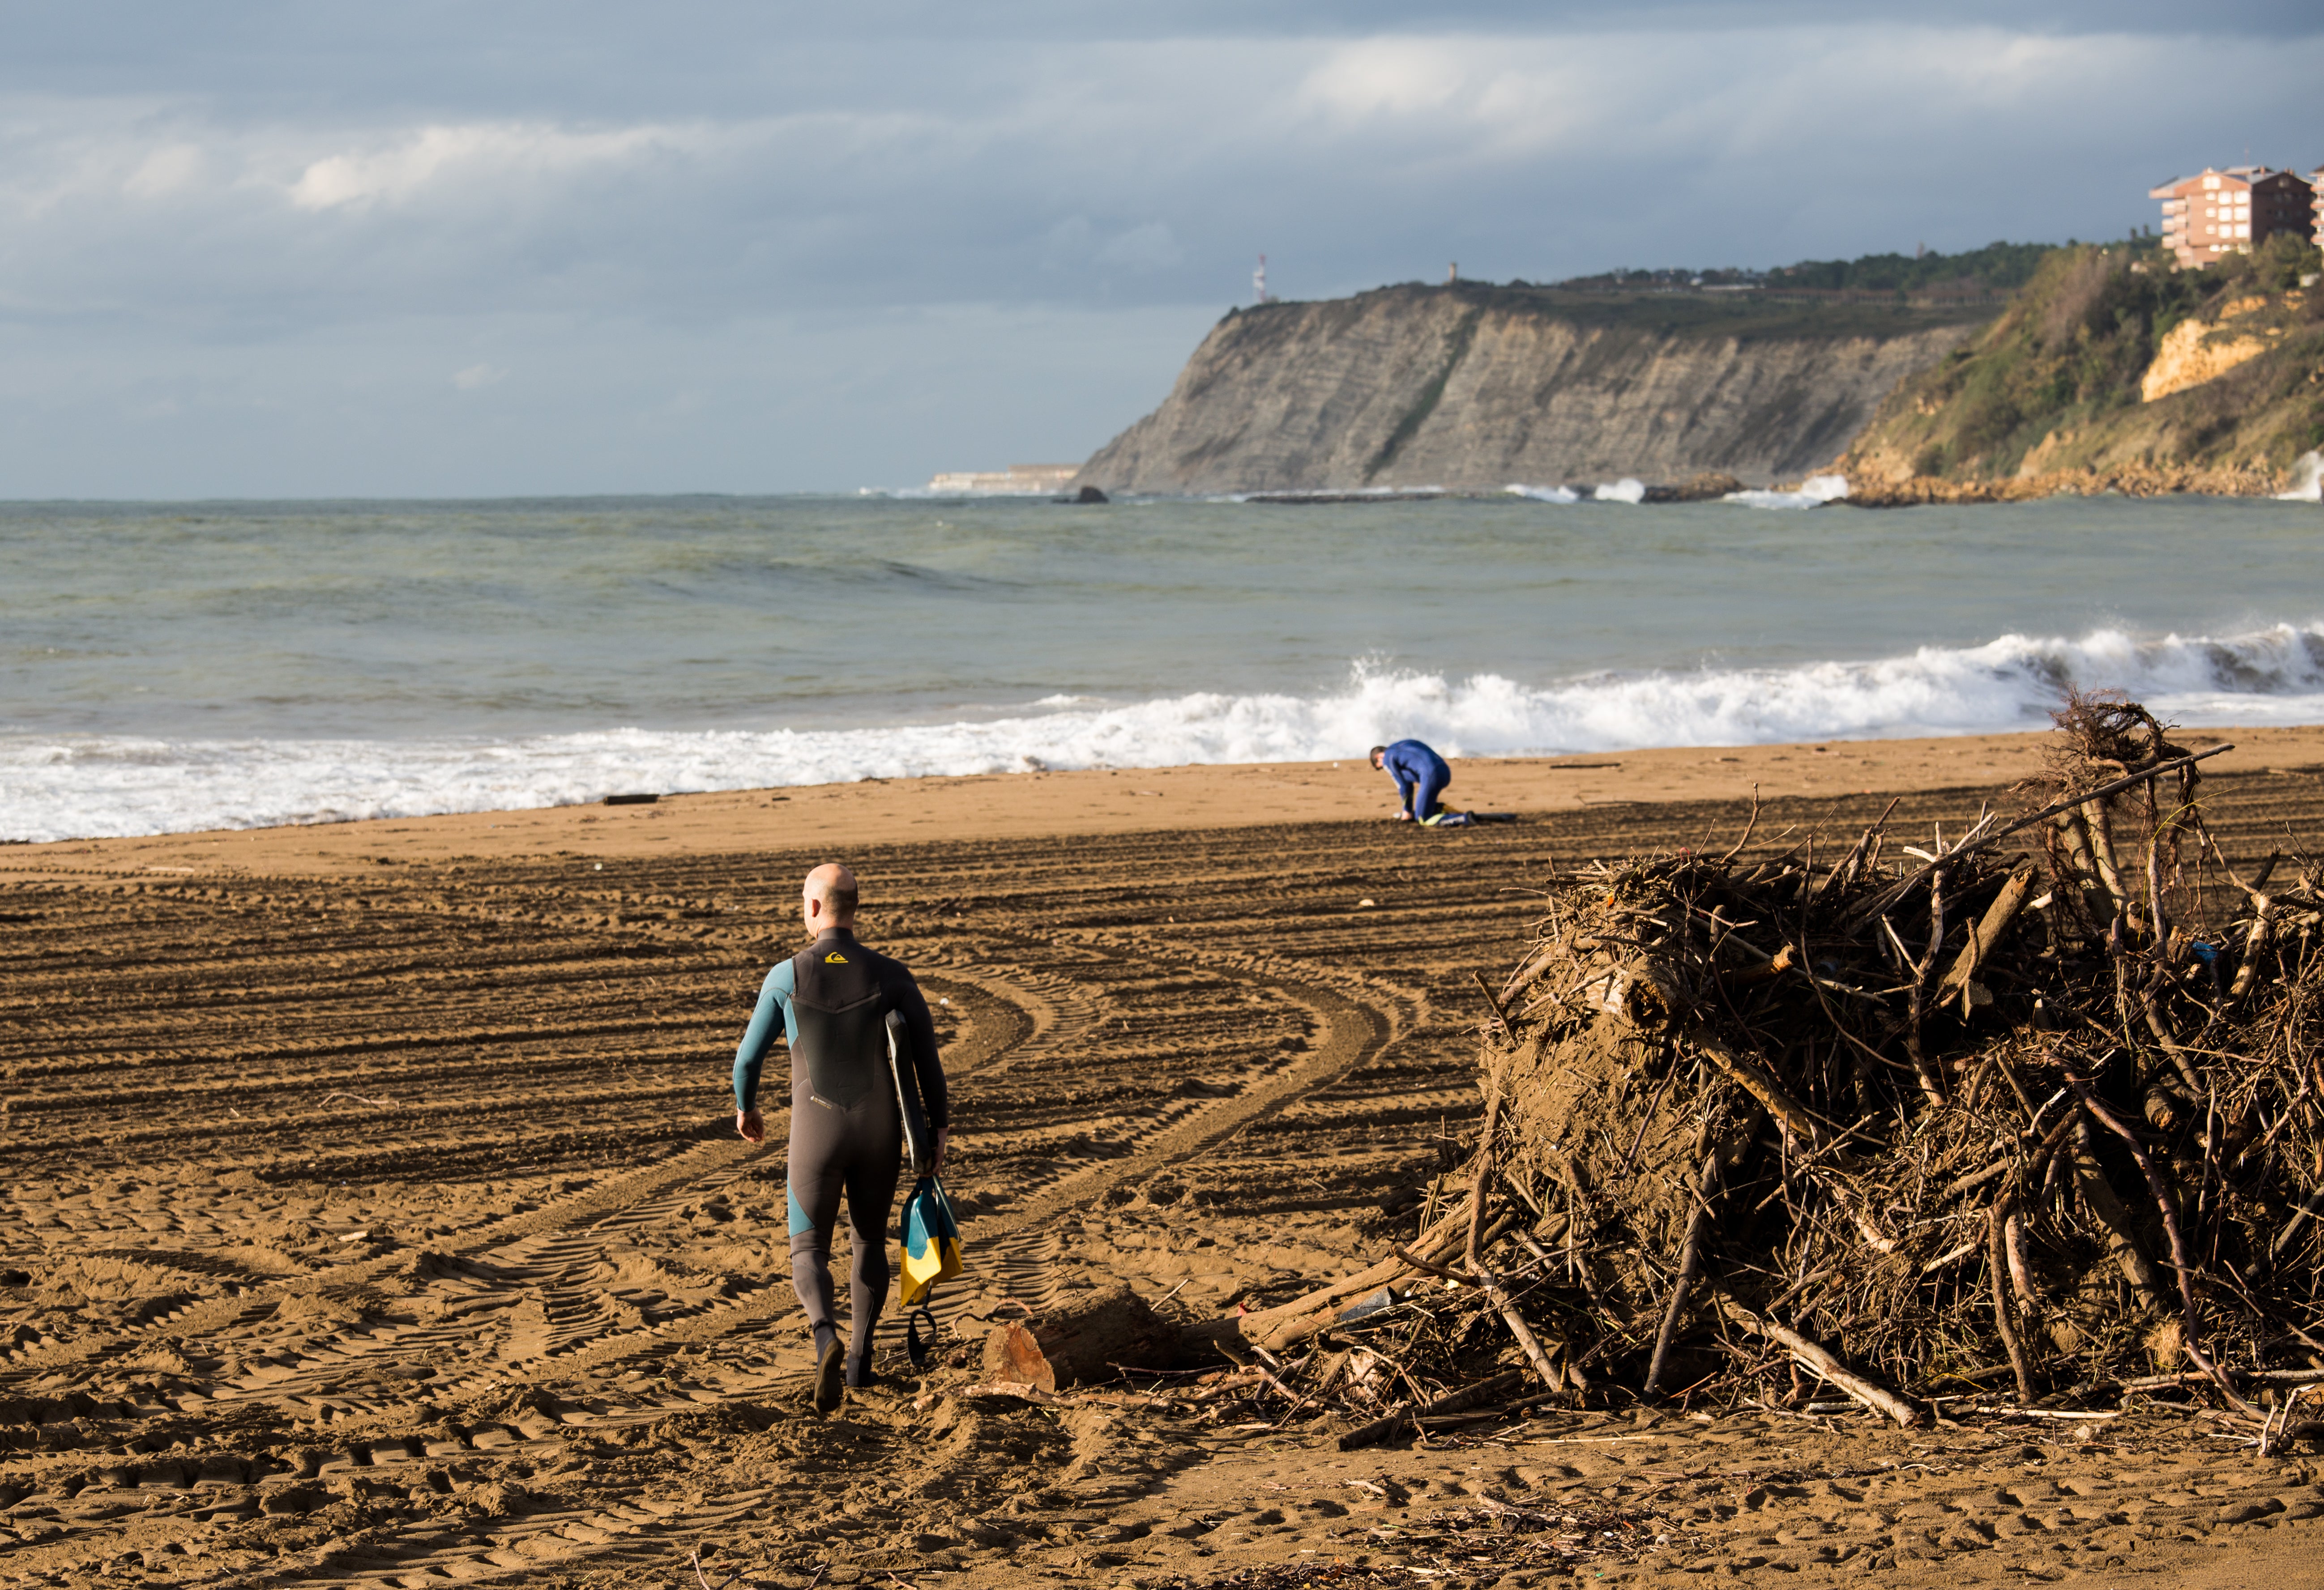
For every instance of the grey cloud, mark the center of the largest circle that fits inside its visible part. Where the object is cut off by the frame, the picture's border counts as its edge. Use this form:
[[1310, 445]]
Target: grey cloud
[[1151, 174], [241, 228], [730, 58]]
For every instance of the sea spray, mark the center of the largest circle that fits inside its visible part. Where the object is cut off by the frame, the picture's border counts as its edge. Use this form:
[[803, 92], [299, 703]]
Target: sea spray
[[1814, 493], [56, 786]]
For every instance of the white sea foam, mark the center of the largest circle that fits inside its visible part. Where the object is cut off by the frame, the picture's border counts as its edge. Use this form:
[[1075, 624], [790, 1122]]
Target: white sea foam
[[1814, 491], [1625, 490], [2307, 479], [62, 786], [1559, 494]]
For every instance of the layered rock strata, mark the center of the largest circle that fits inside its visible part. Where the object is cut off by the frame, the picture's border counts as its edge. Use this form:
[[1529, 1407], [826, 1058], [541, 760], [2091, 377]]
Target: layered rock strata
[[1477, 387]]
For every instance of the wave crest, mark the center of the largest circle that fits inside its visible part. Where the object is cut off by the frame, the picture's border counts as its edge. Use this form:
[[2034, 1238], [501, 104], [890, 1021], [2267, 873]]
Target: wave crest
[[75, 786]]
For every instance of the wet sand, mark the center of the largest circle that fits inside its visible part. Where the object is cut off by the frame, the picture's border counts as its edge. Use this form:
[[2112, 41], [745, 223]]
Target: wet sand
[[373, 1213]]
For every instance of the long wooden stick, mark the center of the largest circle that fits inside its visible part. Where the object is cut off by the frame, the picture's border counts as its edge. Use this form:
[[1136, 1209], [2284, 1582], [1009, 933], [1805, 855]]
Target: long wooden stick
[[2191, 1320], [1903, 886], [1395, 1424], [1811, 1357], [1997, 1277], [1986, 934], [1493, 1003], [1507, 1308], [1762, 1085], [1287, 1324], [1484, 1176], [1496, 1294], [1689, 1265]]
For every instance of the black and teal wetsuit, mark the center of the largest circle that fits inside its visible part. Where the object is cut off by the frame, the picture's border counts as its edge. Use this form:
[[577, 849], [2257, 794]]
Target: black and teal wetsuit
[[832, 1002]]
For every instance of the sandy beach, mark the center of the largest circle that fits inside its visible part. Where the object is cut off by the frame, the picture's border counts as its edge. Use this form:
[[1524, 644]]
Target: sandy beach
[[374, 1215], [1038, 805]]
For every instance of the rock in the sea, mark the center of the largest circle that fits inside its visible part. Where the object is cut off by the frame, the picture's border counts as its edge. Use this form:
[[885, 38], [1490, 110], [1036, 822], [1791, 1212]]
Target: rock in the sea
[[1709, 486]]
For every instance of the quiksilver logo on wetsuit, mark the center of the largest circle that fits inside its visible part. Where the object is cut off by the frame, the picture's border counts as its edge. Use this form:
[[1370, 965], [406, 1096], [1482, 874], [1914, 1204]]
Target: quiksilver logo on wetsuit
[[835, 959]]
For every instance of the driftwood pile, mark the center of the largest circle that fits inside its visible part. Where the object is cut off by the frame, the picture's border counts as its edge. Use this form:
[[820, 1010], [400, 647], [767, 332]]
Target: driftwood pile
[[2030, 1116], [2035, 1109]]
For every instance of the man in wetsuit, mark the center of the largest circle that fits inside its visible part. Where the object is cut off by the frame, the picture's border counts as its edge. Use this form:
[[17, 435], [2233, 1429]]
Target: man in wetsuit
[[831, 1001], [1420, 776]]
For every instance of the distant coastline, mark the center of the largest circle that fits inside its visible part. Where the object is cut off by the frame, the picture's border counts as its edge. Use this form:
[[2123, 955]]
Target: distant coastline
[[1019, 479], [2082, 368]]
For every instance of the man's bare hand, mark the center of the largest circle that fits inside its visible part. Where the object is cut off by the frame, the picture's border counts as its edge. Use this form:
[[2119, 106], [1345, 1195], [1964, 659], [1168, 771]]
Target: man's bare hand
[[944, 1137], [1403, 816], [748, 1126]]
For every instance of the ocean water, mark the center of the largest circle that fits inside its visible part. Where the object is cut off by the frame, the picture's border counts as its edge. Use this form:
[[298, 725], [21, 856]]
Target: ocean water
[[172, 667]]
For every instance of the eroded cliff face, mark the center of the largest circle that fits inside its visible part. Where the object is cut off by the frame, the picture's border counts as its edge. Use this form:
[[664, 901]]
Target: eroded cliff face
[[1477, 389], [2112, 373]]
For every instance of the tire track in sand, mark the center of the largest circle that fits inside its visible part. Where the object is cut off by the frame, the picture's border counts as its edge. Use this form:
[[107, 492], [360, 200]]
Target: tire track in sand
[[1355, 1032]]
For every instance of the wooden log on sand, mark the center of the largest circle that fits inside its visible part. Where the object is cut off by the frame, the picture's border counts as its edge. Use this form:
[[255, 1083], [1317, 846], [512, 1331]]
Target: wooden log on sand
[[1081, 1341], [1279, 1327]]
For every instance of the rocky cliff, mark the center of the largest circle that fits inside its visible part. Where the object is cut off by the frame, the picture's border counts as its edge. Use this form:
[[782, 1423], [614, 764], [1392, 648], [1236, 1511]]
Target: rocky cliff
[[1475, 387], [2112, 372]]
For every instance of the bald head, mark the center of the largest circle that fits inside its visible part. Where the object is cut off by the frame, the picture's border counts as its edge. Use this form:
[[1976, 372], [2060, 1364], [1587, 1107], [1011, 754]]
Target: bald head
[[828, 900]]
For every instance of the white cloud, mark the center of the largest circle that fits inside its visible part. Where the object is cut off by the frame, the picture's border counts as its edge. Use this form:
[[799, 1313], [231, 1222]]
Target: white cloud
[[406, 164], [478, 376], [171, 169], [1392, 77]]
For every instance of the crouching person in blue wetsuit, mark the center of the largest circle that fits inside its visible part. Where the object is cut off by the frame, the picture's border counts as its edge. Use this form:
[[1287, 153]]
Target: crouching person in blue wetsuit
[[1420, 776], [831, 1001]]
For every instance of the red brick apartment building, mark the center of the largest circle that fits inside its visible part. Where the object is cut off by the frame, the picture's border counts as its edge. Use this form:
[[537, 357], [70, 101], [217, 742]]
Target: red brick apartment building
[[2218, 212]]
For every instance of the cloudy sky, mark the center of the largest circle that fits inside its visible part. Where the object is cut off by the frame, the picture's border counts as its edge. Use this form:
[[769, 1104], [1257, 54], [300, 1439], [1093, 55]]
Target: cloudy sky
[[450, 247]]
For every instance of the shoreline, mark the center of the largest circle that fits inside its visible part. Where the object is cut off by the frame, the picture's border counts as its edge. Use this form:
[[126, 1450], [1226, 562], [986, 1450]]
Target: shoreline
[[1015, 806], [1919, 490]]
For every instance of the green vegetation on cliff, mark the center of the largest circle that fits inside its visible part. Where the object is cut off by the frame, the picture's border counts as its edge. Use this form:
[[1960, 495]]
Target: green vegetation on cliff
[[1711, 317], [1998, 266], [2108, 361]]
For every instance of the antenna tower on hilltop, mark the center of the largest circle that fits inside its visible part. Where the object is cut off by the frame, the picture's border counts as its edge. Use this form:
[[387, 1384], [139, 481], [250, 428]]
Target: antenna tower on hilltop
[[1259, 282]]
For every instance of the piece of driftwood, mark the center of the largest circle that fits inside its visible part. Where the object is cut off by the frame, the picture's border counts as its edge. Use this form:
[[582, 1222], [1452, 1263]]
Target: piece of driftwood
[[1757, 1081], [1986, 934], [1690, 1265], [1497, 1293], [1809, 1356], [2122, 1233], [1080, 1341], [1399, 1421], [1286, 1324]]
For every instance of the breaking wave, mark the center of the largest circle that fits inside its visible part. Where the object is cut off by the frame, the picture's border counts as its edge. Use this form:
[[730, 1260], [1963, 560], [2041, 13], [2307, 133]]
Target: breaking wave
[[86, 785], [2307, 479], [1814, 491]]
